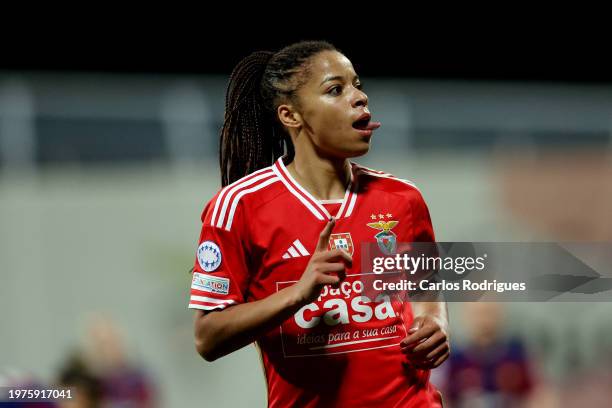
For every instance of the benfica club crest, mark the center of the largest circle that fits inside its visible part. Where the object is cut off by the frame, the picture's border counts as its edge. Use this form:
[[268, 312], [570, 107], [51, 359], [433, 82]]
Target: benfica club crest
[[386, 239], [342, 240]]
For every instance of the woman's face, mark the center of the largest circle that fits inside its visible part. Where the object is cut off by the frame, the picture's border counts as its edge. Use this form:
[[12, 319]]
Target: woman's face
[[333, 108]]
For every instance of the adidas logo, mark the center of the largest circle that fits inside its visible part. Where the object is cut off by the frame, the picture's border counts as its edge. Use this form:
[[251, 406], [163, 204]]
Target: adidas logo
[[296, 250]]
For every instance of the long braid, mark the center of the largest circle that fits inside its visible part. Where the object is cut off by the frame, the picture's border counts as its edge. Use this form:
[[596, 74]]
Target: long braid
[[241, 145], [251, 137]]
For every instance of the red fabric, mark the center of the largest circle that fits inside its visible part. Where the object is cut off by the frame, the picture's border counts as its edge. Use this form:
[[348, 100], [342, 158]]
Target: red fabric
[[342, 349]]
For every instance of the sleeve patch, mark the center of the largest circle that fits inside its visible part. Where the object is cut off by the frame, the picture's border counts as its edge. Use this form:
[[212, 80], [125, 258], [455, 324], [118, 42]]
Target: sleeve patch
[[209, 256], [211, 284]]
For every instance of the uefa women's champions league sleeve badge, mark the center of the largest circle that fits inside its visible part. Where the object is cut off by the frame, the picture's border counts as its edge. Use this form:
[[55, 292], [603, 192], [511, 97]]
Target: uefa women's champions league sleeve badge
[[386, 239], [209, 256]]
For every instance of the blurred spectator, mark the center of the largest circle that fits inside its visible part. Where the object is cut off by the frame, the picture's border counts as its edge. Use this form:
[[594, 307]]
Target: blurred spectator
[[124, 383], [87, 388], [490, 370]]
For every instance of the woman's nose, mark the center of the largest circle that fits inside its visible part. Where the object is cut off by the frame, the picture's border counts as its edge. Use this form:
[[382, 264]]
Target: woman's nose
[[360, 98]]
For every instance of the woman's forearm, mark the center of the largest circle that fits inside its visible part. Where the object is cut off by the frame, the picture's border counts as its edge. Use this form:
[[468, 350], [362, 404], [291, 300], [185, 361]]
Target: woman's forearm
[[219, 333], [437, 310]]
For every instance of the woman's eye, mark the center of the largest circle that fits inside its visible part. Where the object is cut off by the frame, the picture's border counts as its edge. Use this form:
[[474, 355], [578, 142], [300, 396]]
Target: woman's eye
[[335, 91], [359, 86]]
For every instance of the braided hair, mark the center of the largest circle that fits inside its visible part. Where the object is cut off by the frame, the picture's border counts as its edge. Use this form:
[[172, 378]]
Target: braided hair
[[252, 137]]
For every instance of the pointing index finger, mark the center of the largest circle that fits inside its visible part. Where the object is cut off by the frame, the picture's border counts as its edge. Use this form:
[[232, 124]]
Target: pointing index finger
[[325, 234]]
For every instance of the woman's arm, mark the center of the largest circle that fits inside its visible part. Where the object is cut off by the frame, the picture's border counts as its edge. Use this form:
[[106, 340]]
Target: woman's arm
[[219, 333], [427, 344]]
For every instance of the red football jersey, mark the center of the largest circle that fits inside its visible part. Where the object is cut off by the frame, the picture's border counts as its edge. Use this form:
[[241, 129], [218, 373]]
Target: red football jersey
[[342, 349]]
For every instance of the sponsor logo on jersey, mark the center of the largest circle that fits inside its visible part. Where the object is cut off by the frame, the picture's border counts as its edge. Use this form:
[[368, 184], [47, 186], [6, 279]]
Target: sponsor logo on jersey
[[343, 241], [212, 284], [209, 256], [350, 318], [386, 239]]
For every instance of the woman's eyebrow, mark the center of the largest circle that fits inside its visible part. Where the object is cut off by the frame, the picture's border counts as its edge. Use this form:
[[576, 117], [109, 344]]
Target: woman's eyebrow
[[331, 78], [337, 77]]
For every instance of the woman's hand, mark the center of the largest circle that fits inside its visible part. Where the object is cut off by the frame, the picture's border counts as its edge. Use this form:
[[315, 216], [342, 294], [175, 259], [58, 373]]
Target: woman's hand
[[427, 344], [324, 268]]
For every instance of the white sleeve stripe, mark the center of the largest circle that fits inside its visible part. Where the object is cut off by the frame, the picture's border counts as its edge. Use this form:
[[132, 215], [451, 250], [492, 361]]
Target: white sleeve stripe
[[219, 198], [211, 300], [263, 184], [228, 187], [300, 247], [204, 307], [232, 190]]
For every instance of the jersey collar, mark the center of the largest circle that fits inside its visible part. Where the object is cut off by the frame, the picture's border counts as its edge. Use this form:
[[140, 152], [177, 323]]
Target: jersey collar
[[311, 203]]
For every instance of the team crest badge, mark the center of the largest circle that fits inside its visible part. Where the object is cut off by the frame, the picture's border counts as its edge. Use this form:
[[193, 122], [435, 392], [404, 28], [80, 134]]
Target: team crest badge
[[386, 239], [342, 240]]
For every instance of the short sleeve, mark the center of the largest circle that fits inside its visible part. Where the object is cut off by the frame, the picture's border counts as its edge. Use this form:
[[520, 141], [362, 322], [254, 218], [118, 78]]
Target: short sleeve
[[220, 273]]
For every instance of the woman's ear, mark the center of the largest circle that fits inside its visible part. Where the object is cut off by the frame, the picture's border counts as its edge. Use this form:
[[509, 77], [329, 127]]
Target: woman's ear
[[288, 116]]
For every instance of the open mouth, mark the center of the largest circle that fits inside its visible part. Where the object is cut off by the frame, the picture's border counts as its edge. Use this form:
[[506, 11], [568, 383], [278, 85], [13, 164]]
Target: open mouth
[[362, 124], [365, 123]]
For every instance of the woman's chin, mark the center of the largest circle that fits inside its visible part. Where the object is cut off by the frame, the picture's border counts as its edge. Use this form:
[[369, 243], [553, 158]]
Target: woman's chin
[[358, 149]]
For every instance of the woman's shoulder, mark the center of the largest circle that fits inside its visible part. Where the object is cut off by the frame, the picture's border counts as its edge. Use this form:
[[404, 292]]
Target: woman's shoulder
[[381, 180], [247, 191]]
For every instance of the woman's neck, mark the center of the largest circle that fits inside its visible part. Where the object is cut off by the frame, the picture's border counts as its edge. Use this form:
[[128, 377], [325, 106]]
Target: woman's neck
[[325, 179]]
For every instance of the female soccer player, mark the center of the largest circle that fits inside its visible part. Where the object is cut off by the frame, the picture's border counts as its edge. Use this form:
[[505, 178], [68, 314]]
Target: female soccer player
[[279, 256]]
